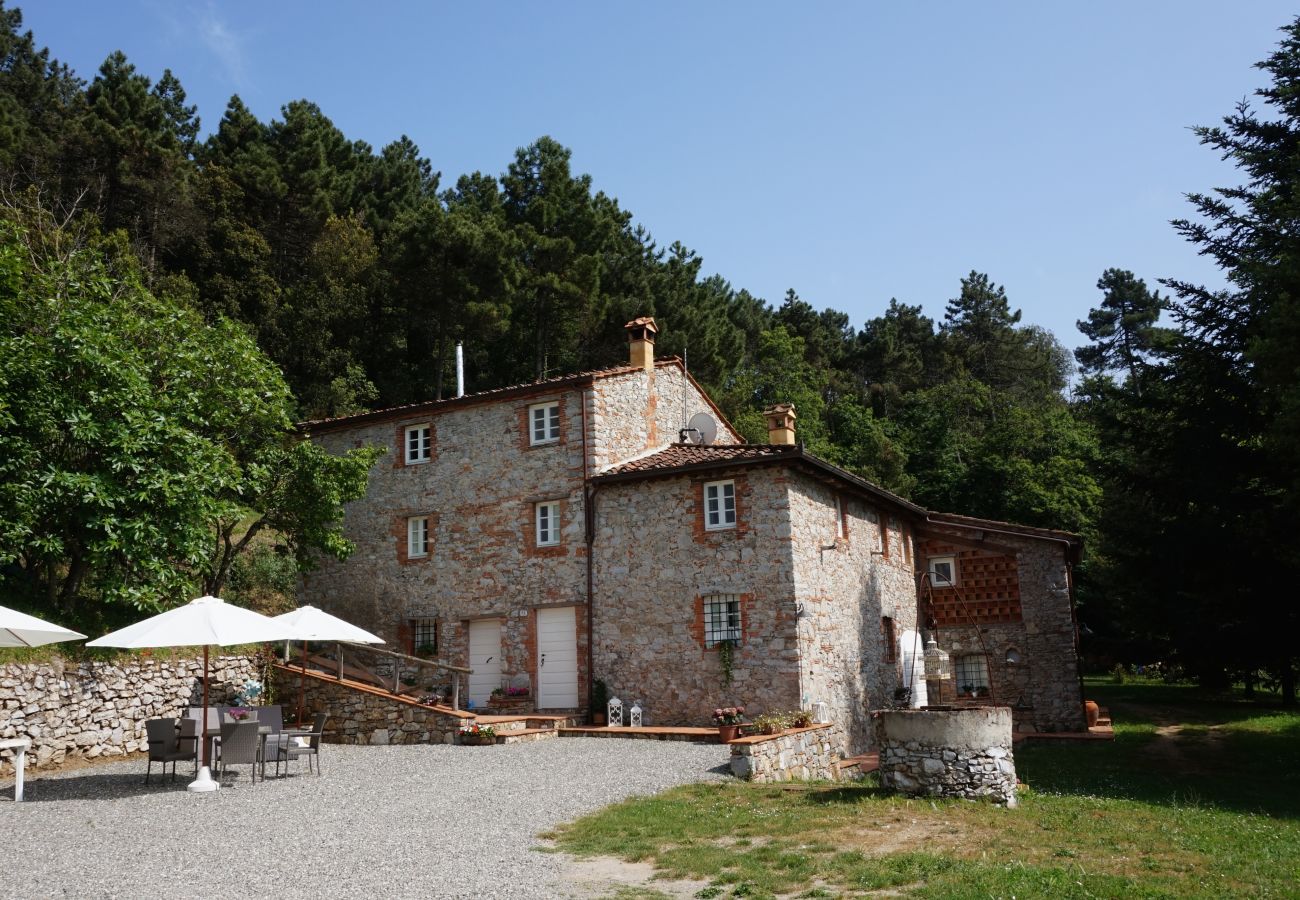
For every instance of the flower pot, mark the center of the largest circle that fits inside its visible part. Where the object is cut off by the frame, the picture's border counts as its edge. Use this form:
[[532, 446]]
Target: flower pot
[[477, 740], [728, 733], [598, 718], [1091, 711]]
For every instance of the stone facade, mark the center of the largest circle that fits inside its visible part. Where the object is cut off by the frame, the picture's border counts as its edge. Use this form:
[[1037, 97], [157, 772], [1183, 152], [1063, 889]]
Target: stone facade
[[1025, 625], [94, 709], [800, 754], [360, 715], [821, 566], [964, 753], [479, 490]]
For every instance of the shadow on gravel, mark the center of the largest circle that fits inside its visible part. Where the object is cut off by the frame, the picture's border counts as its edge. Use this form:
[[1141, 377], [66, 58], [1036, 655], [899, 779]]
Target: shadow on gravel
[[106, 786]]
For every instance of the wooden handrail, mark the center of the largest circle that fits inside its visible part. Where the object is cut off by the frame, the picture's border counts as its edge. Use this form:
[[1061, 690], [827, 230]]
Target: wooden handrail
[[415, 659]]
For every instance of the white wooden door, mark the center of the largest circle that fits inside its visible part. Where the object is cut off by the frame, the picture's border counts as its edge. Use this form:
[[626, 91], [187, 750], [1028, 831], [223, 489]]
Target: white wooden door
[[557, 659], [912, 653], [484, 659]]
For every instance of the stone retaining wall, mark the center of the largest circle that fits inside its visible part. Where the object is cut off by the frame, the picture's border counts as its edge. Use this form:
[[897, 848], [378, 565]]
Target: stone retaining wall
[[948, 752], [360, 715], [799, 754], [93, 709]]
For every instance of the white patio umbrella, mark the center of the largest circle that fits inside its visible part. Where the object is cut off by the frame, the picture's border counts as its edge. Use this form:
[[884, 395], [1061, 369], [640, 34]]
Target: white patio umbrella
[[206, 622], [21, 630], [311, 624]]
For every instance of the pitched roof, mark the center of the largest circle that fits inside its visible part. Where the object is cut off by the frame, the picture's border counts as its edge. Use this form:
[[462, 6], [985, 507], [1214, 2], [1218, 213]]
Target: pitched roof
[[680, 459], [415, 409], [995, 525]]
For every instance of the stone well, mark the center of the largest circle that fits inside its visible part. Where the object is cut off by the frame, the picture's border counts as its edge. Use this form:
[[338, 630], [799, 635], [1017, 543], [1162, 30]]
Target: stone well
[[947, 752]]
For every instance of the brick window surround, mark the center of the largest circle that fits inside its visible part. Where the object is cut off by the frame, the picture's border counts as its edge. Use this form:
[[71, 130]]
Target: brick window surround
[[841, 518], [416, 443], [546, 522], [417, 537], [740, 494], [557, 424], [700, 629], [400, 533], [556, 526]]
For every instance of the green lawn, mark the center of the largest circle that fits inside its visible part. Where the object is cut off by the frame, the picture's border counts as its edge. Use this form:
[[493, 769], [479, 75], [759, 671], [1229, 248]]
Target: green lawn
[[1197, 796]]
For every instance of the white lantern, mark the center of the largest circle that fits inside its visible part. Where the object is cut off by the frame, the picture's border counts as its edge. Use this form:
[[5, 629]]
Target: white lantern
[[936, 661], [636, 714], [614, 713], [821, 712]]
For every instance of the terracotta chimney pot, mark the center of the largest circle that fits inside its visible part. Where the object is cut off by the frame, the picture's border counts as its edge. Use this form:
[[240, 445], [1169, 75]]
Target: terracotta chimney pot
[[641, 343], [780, 423]]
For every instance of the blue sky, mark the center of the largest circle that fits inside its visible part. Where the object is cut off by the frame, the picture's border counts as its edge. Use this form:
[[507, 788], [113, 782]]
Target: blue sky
[[854, 152]]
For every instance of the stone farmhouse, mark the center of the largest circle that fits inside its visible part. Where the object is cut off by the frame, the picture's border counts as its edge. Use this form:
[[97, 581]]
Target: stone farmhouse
[[554, 532]]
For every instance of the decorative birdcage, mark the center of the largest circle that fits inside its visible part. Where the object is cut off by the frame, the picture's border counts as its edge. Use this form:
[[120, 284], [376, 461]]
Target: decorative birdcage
[[937, 664]]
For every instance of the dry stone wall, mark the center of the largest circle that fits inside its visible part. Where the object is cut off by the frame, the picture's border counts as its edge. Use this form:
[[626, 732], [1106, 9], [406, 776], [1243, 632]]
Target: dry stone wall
[[361, 716], [93, 709], [800, 754], [845, 586]]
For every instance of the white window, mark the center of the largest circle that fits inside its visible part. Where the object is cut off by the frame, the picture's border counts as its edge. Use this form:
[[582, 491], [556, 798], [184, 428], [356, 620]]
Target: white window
[[419, 443], [417, 537], [971, 674], [721, 619], [943, 571], [719, 505], [548, 523], [544, 423]]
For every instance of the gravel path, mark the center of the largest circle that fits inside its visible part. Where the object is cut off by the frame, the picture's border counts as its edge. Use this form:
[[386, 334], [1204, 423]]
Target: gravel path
[[399, 821]]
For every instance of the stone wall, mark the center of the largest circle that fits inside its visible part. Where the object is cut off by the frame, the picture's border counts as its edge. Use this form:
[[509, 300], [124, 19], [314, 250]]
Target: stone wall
[[653, 569], [799, 754], [1033, 659], [478, 490], [92, 709], [845, 585], [360, 715], [948, 753]]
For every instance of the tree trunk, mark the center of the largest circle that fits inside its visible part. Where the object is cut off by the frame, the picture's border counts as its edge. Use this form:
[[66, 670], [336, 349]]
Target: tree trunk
[[1288, 683]]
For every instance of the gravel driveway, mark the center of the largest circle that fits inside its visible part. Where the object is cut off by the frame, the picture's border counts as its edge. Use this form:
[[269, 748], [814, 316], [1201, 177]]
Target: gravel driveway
[[398, 821]]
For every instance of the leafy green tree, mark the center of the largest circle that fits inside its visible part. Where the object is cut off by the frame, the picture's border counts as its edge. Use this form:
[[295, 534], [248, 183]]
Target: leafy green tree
[[136, 473]]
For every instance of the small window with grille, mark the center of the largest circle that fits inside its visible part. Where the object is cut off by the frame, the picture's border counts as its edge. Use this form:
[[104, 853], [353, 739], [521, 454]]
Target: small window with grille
[[721, 619], [971, 675], [424, 636], [888, 636]]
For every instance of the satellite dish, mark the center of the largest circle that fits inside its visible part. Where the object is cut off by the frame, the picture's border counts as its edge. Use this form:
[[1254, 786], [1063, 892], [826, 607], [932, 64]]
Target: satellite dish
[[701, 429]]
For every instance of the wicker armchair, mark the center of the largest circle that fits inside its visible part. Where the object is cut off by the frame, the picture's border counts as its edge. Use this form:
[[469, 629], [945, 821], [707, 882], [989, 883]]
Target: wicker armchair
[[240, 745], [164, 746], [288, 747]]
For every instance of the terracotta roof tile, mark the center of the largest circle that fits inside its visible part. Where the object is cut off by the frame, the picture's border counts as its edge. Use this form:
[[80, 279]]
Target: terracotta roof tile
[[679, 455], [993, 524]]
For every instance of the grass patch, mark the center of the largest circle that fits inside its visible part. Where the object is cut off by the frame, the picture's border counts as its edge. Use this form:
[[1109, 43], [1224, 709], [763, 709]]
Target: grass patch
[[1198, 796]]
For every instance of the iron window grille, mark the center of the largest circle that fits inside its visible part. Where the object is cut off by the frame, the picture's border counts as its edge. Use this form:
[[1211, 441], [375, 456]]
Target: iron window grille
[[971, 674], [721, 619], [424, 636]]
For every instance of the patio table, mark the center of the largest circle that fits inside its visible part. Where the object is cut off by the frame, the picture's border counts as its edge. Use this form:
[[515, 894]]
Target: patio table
[[20, 746]]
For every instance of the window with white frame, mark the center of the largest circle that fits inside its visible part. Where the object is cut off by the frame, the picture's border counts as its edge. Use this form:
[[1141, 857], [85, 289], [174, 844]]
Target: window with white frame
[[719, 505], [544, 423], [419, 443], [547, 518], [943, 571], [417, 537], [721, 619], [971, 674]]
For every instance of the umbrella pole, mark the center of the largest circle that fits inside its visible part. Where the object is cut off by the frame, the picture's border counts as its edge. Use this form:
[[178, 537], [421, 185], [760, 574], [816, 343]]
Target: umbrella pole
[[302, 683], [204, 783]]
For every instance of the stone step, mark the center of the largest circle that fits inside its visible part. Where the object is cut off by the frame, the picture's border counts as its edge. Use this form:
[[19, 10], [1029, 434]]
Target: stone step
[[523, 735], [702, 735], [856, 766]]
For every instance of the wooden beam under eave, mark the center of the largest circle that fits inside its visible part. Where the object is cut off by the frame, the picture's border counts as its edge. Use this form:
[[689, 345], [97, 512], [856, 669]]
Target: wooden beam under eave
[[978, 543]]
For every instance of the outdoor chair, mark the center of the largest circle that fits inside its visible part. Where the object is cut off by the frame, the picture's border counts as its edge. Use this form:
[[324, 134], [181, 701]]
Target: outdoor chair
[[189, 740], [288, 747], [240, 744], [164, 746]]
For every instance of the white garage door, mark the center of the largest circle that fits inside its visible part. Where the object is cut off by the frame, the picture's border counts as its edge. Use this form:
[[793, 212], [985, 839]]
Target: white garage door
[[557, 659]]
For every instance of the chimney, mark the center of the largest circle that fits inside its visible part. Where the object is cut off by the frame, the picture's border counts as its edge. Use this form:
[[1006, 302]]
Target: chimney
[[641, 343], [780, 423]]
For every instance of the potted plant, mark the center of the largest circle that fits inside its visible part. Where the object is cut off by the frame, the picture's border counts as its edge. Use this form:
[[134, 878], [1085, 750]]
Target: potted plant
[[476, 735], [425, 650], [801, 719], [729, 719], [768, 723], [599, 700]]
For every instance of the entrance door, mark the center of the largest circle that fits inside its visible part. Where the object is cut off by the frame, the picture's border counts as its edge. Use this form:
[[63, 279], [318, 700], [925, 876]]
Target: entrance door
[[484, 659], [557, 659]]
